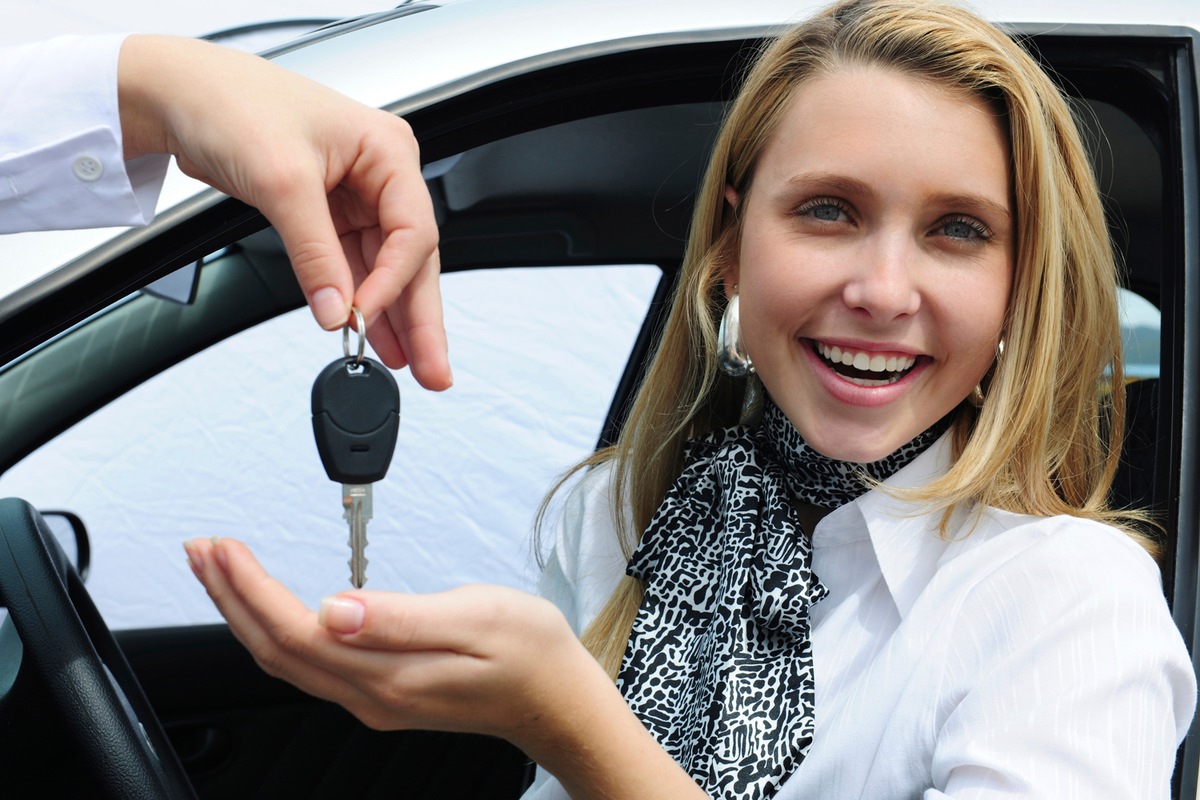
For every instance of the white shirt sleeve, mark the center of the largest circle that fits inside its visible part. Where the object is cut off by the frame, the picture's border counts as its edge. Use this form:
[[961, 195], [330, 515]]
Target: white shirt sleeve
[[587, 562], [1068, 682], [61, 156]]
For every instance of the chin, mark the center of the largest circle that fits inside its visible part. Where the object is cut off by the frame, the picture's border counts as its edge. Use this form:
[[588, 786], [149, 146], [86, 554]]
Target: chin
[[861, 447]]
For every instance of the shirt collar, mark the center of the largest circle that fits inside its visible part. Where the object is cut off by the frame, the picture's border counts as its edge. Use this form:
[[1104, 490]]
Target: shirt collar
[[904, 537]]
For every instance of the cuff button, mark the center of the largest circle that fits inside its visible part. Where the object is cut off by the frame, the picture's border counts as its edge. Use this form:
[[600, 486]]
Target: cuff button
[[87, 168]]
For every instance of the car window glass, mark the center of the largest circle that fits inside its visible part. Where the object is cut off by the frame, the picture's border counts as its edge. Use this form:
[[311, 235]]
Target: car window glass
[[1141, 329], [222, 444]]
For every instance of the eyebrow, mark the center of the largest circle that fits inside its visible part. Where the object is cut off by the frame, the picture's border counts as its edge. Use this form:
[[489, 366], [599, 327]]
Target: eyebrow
[[973, 203], [844, 184]]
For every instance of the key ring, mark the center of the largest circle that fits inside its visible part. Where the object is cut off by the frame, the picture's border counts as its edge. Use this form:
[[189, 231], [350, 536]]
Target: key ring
[[362, 336]]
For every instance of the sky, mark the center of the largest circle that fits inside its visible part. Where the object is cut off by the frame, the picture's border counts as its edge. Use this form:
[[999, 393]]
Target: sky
[[40, 19]]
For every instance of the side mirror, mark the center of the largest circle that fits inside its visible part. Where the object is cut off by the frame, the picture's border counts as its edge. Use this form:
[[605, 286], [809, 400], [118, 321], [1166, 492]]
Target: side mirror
[[72, 536], [178, 287]]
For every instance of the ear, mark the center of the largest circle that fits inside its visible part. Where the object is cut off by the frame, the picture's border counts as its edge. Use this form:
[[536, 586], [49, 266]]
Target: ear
[[729, 270]]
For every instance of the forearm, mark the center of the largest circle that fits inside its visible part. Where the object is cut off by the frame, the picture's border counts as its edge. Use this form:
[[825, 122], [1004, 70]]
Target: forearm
[[625, 763], [142, 128], [600, 750]]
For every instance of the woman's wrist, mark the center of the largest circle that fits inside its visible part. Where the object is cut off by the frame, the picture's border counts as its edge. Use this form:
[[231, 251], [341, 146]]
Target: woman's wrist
[[169, 85], [597, 747], [140, 75]]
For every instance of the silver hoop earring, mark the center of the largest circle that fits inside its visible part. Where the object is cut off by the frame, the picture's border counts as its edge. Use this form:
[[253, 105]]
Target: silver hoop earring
[[976, 397], [732, 357]]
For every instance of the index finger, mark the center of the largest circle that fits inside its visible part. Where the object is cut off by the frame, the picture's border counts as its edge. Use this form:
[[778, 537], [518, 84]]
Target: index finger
[[303, 221]]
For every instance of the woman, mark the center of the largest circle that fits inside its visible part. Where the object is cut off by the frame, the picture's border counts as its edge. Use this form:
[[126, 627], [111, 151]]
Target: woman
[[869, 556]]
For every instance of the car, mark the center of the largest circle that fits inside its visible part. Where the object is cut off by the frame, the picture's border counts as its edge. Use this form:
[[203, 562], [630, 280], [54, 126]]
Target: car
[[155, 381]]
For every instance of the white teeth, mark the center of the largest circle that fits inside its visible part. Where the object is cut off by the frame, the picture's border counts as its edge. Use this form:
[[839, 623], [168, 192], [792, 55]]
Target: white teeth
[[866, 362], [870, 381]]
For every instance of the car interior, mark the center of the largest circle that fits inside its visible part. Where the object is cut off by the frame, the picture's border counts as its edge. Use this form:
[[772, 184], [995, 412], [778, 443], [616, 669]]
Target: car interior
[[588, 160]]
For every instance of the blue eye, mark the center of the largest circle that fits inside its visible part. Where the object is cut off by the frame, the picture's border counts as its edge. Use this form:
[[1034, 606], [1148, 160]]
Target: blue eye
[[964, 229], [825, 209]]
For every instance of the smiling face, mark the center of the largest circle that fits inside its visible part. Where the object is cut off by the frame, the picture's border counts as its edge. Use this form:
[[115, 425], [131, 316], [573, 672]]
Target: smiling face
[[876, 258]]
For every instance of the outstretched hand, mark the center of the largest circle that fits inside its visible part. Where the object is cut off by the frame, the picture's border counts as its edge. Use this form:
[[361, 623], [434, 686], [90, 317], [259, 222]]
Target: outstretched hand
[[483, 659], [480, 658], [340, 181]]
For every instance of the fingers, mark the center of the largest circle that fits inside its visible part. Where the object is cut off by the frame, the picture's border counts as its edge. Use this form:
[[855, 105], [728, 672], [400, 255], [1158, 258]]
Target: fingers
[[478, 658], [273, 639], [404, 214], [414, 326], [401, 304], [400, 289], [385, 688], [408, 331], [302, 219], [286, 636]]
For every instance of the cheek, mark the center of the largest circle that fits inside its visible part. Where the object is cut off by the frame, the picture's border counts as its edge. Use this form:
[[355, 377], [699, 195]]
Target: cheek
[[780, 286], [774, 309], [978, 322]]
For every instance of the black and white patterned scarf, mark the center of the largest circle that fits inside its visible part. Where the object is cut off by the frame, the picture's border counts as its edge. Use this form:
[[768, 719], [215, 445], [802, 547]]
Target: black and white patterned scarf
[[719, 664]]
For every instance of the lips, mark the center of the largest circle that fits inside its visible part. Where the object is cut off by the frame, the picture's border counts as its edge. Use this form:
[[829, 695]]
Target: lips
[[864, 368]]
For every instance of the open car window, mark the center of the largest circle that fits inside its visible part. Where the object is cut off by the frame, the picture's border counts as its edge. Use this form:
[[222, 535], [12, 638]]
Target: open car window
[[1141, 335], [221, 444]]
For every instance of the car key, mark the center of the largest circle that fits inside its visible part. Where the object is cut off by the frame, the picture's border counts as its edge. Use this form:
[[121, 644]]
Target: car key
[[355, 417]]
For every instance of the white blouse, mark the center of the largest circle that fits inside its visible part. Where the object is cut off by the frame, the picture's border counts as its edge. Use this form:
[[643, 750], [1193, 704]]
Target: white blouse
[[1019, 657], [61, 154]]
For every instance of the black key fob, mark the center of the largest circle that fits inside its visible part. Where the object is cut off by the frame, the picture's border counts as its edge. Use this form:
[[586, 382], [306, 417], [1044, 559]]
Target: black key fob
[[356, 417]]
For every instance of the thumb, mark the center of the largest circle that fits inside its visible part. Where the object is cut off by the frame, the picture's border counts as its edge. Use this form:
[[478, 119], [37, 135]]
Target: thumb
[[395, 622]]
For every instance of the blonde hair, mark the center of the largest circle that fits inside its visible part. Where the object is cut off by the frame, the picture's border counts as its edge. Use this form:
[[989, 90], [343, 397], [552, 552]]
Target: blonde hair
[[1046, 440]]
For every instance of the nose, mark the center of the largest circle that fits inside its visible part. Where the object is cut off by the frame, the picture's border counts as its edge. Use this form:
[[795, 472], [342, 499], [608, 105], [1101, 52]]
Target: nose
[[883, 284]]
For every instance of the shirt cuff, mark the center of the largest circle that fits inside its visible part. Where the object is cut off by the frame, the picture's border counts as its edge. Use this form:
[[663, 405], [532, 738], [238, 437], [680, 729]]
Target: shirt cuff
[[79, 182], [63, 166]]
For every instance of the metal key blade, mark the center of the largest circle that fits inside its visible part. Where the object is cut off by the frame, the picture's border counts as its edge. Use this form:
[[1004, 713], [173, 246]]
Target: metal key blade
[[356, 414], [356, 500]]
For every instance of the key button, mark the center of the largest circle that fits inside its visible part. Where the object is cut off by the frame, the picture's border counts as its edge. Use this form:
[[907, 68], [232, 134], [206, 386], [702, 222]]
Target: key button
[[87, 168]]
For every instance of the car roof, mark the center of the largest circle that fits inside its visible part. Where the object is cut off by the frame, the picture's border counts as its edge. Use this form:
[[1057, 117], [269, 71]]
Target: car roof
[[511, 37]]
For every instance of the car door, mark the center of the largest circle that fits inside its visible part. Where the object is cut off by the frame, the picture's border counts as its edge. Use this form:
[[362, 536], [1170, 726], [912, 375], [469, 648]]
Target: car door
[[582, 160]]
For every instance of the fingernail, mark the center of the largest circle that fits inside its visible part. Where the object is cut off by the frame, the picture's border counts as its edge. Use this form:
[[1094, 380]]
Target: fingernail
[[193, 560], [341, 614], [329, 307]]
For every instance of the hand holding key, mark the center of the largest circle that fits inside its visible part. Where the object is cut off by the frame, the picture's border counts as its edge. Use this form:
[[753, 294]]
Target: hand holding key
[[356, 417], [340, 181]]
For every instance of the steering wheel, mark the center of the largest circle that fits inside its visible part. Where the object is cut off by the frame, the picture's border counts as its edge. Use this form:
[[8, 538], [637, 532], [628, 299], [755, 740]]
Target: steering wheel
[[75, 657]]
